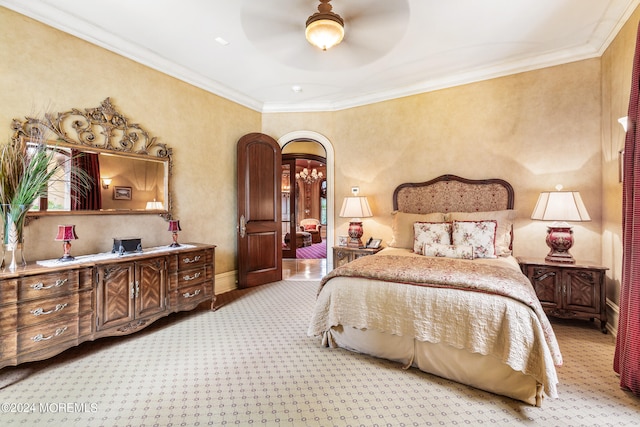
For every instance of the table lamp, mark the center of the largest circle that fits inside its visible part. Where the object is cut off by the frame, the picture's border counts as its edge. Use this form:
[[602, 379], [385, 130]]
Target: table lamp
[[66, 233], [560, 206], [355, 207], [174, 227]]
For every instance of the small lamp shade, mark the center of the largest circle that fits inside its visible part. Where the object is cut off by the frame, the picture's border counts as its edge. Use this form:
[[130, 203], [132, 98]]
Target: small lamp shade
[[560, 206], [66, 233], [174, 227], [355, 208]]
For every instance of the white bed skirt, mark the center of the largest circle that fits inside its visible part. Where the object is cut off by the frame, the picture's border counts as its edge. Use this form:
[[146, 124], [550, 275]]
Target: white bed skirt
[[479, 371]]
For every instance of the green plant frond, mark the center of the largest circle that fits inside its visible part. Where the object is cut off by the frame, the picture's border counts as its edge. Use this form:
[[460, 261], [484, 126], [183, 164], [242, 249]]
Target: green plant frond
[[25, 176]]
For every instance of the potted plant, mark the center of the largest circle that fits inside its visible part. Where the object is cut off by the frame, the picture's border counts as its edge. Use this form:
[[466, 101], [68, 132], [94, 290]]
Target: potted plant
[[26, 170]]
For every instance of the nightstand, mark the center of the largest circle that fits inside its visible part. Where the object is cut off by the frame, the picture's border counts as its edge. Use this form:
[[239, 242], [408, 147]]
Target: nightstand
[[570, 291], [345, 254]]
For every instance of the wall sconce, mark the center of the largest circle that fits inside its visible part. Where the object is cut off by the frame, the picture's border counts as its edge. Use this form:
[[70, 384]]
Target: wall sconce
[[624, 122], [560, 206], [106, 182]]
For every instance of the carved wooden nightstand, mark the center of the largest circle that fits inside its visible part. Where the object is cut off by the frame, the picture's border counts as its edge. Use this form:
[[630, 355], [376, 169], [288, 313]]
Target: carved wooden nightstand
[[569, 290], [345, 254]]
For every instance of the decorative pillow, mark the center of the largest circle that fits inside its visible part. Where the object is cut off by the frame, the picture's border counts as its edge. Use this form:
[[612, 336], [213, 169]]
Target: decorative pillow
[[503, 232], [479, 234], [308, 227], [447, 251], [429, 233], [402, 226]]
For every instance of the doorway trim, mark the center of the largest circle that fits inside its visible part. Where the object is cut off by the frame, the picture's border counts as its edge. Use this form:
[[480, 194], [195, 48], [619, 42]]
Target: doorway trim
[[328, 148]]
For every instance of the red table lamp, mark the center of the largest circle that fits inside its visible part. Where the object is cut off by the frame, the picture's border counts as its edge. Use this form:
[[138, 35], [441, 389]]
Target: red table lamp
[[66, 233]]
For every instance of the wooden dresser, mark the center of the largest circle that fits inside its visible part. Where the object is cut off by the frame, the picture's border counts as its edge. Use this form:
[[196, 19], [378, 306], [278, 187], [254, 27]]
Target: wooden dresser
[[46, 310]]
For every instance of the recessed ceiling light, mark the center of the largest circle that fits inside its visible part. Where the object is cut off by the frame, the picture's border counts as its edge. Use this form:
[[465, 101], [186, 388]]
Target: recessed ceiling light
[[296, 88], [221, 41]]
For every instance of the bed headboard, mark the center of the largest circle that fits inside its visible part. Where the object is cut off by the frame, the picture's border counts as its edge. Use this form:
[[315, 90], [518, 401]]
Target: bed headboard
[[450, 193]]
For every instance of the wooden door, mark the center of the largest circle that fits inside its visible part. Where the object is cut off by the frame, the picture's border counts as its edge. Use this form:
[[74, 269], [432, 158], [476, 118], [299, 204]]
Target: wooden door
[[115, 285], [259, 210], [150, 287]]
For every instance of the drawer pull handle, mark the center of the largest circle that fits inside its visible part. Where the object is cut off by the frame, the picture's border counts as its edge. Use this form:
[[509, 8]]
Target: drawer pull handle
[[191, 260], [40, 337], [188, 295], [40, 311], [194, 277], [40, 286]]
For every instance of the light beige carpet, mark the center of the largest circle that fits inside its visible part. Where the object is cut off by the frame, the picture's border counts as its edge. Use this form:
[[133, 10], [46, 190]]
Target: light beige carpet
[[251, 363]]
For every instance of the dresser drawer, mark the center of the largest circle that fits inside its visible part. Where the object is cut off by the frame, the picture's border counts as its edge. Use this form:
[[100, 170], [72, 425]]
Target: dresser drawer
[[47, 285], [183, 278], [188, 260], [51, 309], [52, 334], [191, 295]]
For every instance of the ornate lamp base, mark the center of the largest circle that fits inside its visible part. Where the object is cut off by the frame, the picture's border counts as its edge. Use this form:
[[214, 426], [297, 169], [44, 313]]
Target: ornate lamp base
[[560, 240], [355, 234]]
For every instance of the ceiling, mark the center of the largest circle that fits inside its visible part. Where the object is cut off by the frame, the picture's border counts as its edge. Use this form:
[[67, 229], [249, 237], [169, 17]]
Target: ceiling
[[392, 48]]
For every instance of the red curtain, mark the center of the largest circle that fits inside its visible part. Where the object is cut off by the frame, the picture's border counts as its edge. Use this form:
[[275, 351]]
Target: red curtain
[[89, 199], [627, 355]]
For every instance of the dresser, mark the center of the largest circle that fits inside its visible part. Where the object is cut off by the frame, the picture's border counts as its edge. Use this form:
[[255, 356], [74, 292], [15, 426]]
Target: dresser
[[46, 310], [569, 290]]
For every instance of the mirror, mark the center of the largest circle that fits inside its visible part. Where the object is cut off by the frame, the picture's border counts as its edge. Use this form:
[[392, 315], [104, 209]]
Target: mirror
[[130, 170]]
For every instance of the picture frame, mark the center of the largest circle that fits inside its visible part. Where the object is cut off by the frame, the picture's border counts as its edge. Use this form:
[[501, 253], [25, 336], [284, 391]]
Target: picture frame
[[374, 243], [121, 193], [343, 240]]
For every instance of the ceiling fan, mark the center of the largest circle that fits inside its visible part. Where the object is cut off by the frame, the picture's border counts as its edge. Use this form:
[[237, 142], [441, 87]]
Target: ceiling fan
[[371, 29]]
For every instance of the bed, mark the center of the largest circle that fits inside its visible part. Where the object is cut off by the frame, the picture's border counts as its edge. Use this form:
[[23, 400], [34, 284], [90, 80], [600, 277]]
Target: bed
[[446, 296]]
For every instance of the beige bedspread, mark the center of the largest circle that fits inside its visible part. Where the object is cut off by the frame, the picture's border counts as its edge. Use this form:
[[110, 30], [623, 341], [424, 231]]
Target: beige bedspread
[[485, 309]]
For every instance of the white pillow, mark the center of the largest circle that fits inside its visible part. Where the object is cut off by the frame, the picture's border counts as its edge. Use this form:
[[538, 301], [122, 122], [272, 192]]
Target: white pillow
[[503, 232], [481, 235], [447, 251], [429, 233], [402, 226]]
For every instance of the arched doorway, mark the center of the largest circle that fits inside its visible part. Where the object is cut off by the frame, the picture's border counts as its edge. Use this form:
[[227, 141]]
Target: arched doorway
[[320, 141], [304, 201]]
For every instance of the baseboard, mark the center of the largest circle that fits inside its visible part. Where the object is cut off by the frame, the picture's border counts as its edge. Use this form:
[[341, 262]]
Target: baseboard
[[226, 282], [613, 314]]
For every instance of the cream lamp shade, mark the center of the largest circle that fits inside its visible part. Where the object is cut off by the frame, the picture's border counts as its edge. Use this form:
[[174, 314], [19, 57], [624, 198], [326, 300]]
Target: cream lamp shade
[[560, 206]]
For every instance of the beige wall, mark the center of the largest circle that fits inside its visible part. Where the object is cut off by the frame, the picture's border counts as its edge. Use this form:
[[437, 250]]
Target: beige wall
[[534, 129], [44, 70]]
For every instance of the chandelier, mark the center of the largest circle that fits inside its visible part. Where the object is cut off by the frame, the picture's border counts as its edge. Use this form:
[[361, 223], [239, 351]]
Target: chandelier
[[309, 177], [325, 28]]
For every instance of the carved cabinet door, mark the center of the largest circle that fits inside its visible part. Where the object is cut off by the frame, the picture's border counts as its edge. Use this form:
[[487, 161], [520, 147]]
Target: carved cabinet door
[[130, 291], [150, 287], [115, 296]]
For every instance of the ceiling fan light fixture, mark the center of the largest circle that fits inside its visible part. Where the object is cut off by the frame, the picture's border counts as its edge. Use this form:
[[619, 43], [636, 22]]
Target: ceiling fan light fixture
[[325, 29]]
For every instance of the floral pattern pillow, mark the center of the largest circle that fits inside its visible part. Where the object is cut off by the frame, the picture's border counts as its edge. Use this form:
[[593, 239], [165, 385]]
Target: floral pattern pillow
[[447, 251], [481, 235], [430, 232]]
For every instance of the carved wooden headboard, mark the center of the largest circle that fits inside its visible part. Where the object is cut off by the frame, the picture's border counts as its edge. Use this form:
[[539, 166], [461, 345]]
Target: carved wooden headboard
[[450, 193]]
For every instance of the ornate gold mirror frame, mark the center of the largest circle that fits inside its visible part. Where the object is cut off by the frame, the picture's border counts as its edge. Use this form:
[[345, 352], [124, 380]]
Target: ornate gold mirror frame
[[137, 165]]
